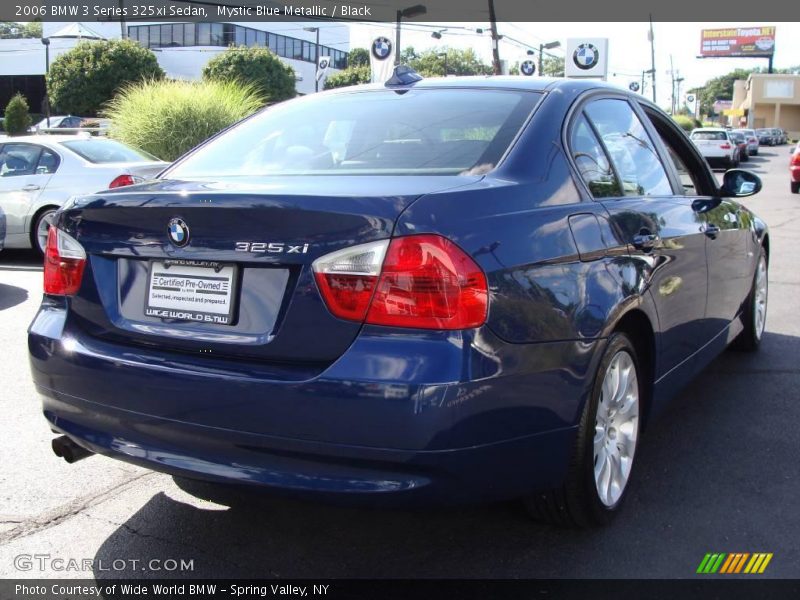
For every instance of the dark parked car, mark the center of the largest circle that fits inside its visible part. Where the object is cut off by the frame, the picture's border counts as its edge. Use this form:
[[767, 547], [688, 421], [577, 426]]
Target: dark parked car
[[424, 291], [766, 137]]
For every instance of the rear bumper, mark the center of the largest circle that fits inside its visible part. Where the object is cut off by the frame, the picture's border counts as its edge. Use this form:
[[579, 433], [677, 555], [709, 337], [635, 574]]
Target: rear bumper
[[490, 420], [795, 173]]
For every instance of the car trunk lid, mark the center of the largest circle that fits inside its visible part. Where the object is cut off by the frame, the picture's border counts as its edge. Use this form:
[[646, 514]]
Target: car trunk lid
[[248, 243]]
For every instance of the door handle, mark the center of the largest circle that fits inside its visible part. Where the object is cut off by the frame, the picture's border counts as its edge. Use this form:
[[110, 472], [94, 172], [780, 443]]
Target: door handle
[[711, 231], [644, 240], [31, 187]]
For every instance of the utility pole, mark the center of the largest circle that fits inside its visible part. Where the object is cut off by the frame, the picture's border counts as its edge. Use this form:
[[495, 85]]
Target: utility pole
[[495, 40], [672, 93], [651, 37], [123, 33]]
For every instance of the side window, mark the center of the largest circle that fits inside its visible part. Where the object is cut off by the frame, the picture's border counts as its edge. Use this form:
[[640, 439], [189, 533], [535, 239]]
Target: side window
[[591, 160], [630, 147], [18, 159], [687, 180], [48, 162], [691, 168]]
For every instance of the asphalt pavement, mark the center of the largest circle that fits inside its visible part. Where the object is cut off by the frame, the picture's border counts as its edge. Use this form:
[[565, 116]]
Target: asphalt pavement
[[717, 473]]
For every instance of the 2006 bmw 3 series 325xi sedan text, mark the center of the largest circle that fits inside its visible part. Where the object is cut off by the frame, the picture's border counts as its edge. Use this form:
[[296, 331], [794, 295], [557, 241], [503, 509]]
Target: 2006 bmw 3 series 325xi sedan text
[[424, 291]]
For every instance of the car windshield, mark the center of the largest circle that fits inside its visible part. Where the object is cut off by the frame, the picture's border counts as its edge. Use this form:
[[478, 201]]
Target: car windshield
[[764, 131], [385, 132], [709, 135], [107, 151]]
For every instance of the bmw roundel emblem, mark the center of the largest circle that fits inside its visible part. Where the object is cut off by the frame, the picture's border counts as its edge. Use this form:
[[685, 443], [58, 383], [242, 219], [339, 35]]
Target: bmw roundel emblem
[[178, 232], [381, 48], [690, 98], [586, 56], [527, 67]]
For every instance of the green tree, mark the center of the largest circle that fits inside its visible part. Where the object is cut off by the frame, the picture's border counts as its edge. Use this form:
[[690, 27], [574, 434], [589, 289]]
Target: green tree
[[167, 118], [349, 76], [553, 66], [358, 57], [12, 30], [259, 67], [718, 88], [431, 62], [16, 115], [83, 79]]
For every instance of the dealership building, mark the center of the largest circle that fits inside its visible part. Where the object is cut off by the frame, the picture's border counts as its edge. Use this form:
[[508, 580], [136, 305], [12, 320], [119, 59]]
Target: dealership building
[[182, 49], [768, 100]]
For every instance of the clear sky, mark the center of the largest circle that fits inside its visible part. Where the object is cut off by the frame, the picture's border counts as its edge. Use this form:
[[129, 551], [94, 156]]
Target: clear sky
[[629, 49]]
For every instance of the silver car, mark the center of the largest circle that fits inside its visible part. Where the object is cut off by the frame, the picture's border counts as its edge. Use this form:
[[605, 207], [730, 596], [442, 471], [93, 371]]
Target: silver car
[[39, 173], [752, 140]]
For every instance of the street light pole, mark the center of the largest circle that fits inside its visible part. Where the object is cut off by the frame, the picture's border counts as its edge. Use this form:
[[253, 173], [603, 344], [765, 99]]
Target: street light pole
[[316, 56], [46, 42], [542, 48], [397, 39], [408, 13]]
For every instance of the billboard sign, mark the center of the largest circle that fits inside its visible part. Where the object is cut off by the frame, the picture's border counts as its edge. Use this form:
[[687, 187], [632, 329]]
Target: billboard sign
[[737, 41]]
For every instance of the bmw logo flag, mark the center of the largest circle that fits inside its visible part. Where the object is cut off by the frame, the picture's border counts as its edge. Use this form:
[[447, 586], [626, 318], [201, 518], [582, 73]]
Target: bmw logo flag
[[381, 59]]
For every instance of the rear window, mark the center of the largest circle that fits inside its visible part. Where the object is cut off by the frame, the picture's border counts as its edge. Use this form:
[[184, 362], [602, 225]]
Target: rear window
[[434, 131], [107, 151], [709, 135]]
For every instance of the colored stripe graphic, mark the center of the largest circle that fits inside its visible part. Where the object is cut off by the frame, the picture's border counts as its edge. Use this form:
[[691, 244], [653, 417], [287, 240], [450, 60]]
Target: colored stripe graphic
[[736, 562]]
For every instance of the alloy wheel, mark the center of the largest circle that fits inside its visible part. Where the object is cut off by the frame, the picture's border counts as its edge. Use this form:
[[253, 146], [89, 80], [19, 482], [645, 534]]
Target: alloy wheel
[[760, 304], [616, 428]]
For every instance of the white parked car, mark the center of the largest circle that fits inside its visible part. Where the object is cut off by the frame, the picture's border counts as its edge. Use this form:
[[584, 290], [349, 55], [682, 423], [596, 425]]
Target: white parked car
[[751, 137], [58, 122], [39, 173], [716, 145]]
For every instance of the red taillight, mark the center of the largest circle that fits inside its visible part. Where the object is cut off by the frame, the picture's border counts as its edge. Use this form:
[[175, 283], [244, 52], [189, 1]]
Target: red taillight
[[64, 260], [425, 282], [796, 159], [725, 146], [122, 181]]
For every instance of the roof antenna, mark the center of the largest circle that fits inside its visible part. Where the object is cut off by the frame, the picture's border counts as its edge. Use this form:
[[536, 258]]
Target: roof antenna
[[403, 75]]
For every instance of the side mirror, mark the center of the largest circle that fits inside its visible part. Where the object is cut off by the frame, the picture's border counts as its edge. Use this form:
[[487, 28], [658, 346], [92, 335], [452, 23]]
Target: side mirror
[[738, 183]]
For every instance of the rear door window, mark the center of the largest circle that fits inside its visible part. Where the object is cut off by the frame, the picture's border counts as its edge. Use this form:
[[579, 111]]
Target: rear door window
[[18, 159]]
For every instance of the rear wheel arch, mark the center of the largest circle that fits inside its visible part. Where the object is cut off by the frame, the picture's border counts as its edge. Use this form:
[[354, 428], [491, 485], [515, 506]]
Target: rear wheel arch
[[637, 326], [35, 220]]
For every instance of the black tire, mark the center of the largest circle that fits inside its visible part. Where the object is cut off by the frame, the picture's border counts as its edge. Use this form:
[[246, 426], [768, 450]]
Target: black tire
[[745, 157], [43, 213], [796, 187], [577, 503], [749, 340]]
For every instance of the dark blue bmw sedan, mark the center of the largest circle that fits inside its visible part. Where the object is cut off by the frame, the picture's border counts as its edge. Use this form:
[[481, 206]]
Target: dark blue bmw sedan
[[425, 291]]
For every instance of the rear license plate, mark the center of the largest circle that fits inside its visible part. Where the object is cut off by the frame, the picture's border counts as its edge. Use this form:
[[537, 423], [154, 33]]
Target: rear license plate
[[188, 290]]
